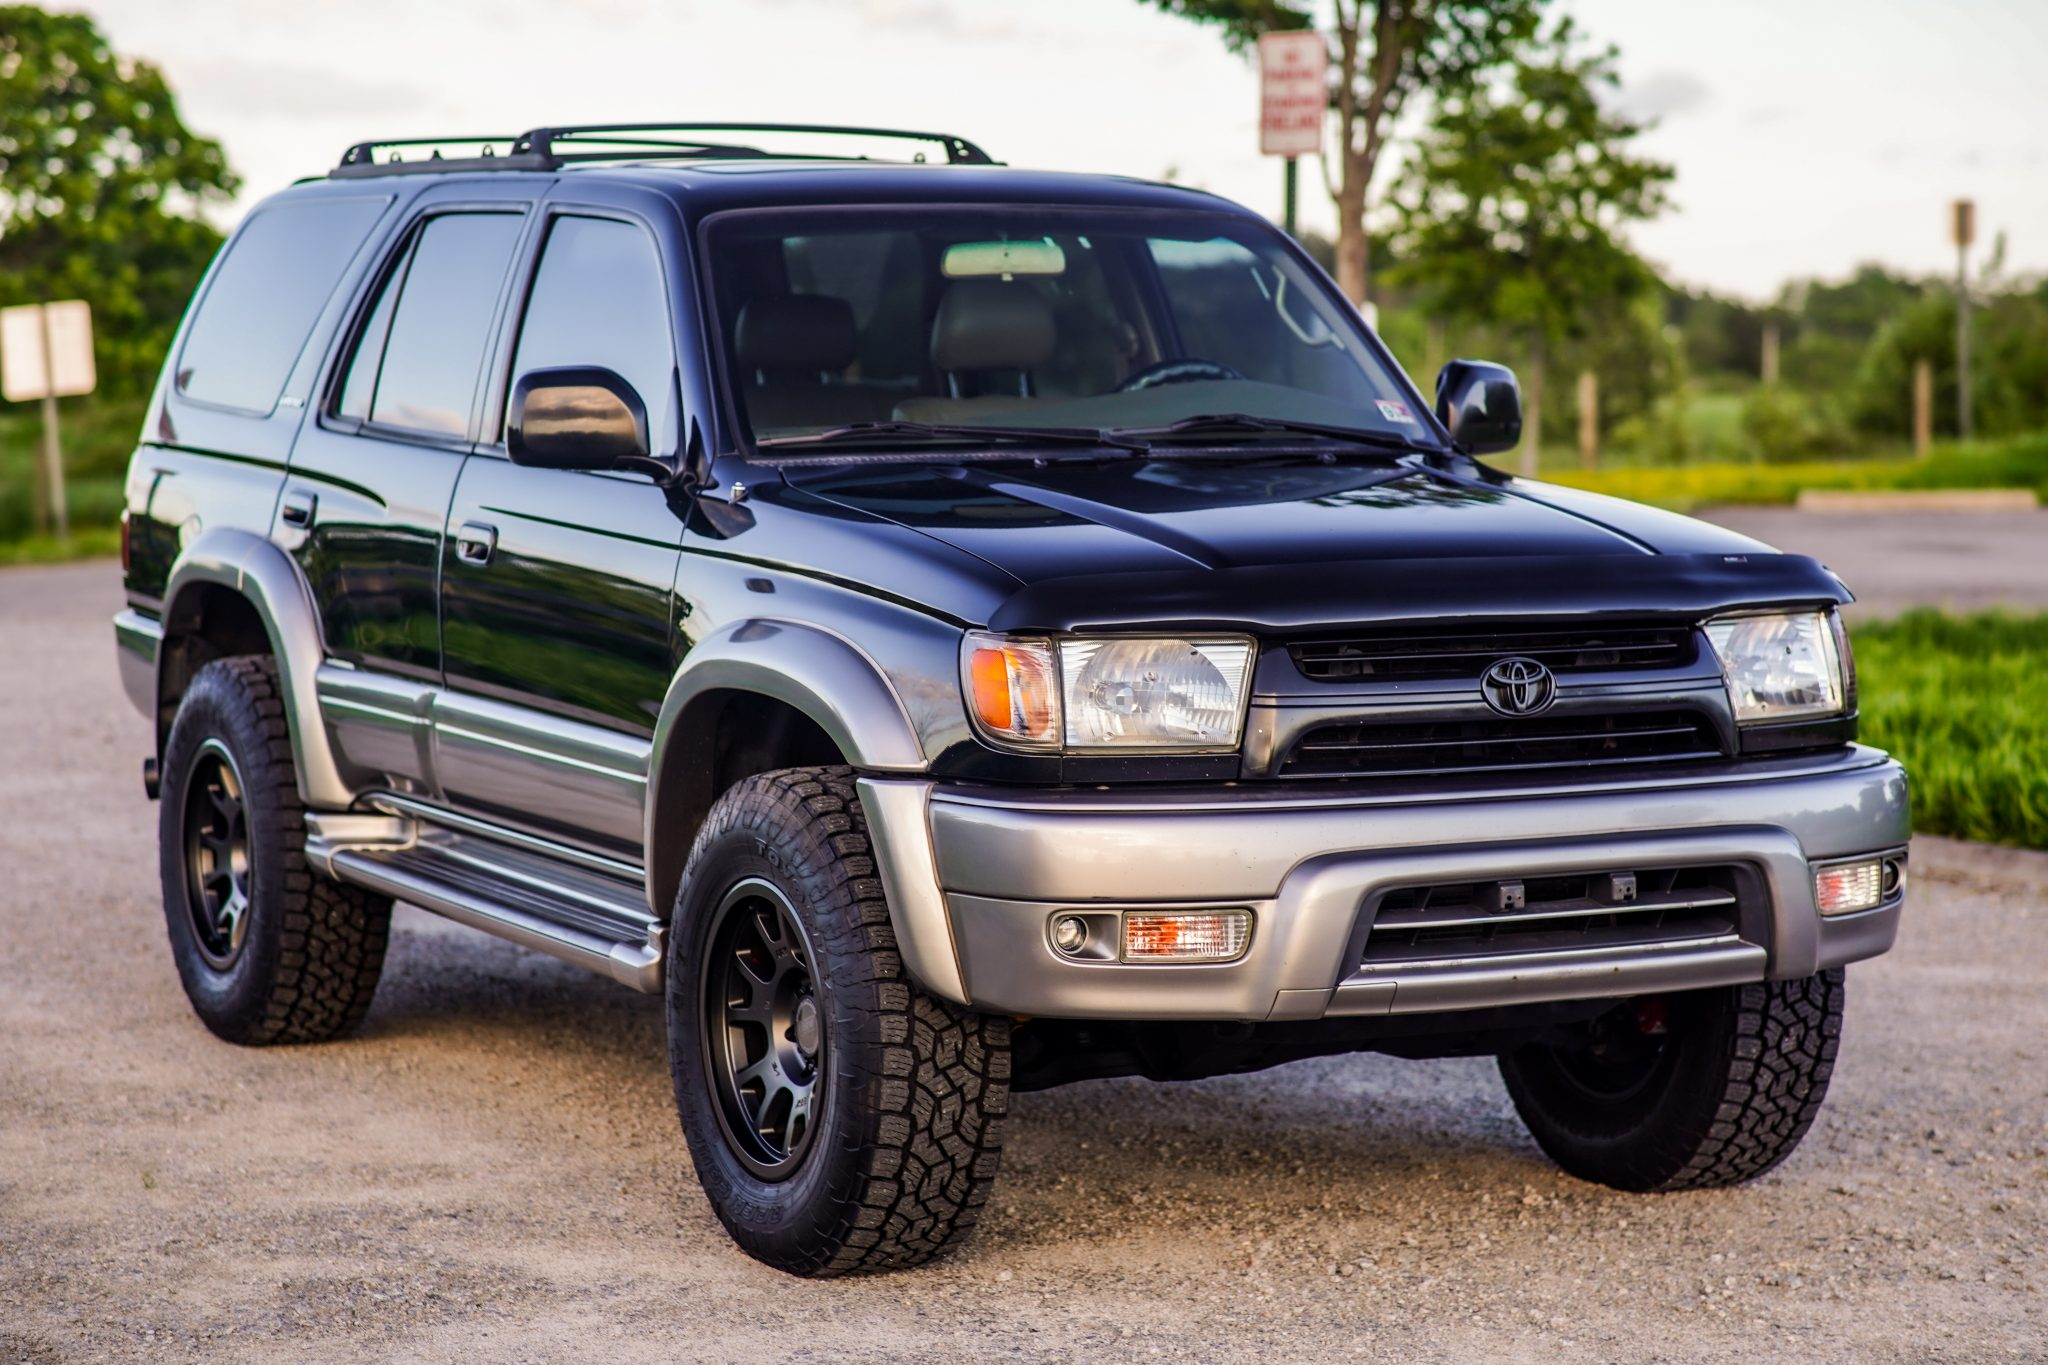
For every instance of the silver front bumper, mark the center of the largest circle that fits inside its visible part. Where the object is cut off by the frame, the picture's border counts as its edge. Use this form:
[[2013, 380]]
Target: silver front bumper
[[975, 876]]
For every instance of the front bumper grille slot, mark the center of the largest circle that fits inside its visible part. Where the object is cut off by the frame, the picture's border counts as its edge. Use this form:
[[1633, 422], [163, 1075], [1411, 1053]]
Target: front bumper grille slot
[[1413, 748], [1594, 910], [1466, 654]]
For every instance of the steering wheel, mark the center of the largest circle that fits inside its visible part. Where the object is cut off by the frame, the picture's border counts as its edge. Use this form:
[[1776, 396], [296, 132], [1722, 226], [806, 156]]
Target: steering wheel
[[1186, 370]]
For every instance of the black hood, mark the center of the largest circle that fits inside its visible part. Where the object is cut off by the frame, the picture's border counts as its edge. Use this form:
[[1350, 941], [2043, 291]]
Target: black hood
[[1292, 542]]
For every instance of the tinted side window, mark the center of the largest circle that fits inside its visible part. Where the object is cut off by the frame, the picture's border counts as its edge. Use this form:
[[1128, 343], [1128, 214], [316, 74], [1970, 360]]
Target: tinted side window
[[441, 323], [598, 300], [265, 298]]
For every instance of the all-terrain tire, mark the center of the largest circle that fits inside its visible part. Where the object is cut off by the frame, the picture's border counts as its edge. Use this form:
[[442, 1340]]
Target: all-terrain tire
[[1726, 1096], [304, 963], [910, 1090]]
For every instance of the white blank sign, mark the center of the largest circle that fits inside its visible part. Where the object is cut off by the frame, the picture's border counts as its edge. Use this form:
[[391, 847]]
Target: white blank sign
[[27, 370]]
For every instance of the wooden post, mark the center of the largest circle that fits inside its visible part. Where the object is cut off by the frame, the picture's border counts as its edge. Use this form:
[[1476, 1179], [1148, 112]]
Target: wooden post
[[1965, 232], [1771, 352], [1589, 419], [1532, 412], [1923, 408]]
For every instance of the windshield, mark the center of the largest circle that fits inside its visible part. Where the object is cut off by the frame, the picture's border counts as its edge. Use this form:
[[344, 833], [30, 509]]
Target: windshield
[[1034, 318]]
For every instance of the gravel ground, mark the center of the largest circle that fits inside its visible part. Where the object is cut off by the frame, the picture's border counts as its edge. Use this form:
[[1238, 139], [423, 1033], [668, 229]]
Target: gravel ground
[[492, 1168], [1960, 561]]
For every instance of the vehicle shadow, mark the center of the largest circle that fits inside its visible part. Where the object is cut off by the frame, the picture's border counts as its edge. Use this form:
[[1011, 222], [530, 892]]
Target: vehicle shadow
[[1287, 1140]]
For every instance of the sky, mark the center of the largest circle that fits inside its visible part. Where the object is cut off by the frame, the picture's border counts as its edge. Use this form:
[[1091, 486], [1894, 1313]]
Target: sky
[[1807, 136]]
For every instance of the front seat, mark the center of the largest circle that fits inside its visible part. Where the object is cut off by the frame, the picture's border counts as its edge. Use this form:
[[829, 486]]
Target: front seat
[[793, 350], [984, 328]]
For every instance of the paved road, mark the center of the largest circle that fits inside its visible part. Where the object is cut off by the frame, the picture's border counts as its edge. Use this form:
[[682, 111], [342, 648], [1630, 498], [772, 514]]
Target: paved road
[[1963, 561], [492, 1168]]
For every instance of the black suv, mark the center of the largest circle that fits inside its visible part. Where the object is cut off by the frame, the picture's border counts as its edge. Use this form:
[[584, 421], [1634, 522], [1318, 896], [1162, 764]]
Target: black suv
[[957, 630]]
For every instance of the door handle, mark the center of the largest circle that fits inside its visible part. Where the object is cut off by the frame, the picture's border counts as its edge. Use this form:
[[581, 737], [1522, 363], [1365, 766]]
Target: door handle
[[475, 542], [298, 508]]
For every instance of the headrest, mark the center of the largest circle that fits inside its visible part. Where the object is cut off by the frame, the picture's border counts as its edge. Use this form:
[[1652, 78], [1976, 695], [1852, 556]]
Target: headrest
[[795, 332], [992, 325]]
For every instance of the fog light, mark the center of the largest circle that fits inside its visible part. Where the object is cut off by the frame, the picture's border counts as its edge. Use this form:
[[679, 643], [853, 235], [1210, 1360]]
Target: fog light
[[1070, 934], [1848, 886], [1191, 936]]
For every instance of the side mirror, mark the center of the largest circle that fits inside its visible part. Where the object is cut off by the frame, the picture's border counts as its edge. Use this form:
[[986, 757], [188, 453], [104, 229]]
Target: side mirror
[[576, 417], [1480, 404]]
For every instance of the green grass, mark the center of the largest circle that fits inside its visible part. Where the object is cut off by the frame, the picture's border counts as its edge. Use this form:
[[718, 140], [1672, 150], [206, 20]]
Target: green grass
[[98, 437], [1963, 702], [2021, 462]]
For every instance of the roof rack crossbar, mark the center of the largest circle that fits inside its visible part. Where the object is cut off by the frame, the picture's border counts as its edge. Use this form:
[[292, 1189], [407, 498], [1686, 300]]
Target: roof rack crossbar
[[541, 141], [548, 149]]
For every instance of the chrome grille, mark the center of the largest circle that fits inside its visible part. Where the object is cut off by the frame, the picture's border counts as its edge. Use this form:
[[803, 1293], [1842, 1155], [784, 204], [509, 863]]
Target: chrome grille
[[1466, 654], [1360, 748], [1541, 914]]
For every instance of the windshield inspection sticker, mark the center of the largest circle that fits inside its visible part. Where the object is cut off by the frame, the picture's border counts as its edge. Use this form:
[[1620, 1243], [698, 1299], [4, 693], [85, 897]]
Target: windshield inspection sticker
[[1396, 412]]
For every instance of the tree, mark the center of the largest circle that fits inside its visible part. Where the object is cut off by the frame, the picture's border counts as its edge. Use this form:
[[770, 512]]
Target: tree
[[1509, 212], [101, 185], [1384, 52]]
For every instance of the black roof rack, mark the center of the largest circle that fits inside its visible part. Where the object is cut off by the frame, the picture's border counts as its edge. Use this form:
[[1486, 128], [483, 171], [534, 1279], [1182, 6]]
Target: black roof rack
[[547, 149]]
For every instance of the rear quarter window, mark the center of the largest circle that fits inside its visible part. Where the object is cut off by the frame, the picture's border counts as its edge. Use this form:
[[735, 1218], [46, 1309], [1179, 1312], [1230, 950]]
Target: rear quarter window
[[260, 308]]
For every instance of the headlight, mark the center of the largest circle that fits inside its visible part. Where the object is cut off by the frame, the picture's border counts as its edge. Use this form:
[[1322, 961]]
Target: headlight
[[1781, 666], [1137, 693]]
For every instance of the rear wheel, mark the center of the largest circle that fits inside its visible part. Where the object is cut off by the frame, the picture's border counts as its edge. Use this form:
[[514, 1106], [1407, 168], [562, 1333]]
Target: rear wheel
[[268, 950], [1690, 1091], [840, 1118]]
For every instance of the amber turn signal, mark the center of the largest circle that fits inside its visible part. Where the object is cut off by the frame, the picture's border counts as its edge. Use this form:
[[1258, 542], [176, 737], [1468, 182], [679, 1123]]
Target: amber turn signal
[[1016, 698]]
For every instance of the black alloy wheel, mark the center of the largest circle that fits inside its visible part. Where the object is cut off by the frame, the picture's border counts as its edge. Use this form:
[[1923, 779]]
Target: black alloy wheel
[[267, 948], [764, 1030], [217, 855], [841, 1118]]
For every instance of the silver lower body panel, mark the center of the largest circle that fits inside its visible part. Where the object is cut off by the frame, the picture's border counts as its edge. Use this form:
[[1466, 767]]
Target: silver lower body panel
[[1001, 868]]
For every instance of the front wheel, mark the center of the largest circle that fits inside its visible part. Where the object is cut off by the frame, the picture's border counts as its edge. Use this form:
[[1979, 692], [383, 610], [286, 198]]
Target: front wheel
[[1685, 1092], [840, 1118]]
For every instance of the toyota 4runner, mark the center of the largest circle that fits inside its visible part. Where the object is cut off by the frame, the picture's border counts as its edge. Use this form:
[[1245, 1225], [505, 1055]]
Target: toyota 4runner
[[956, 630]]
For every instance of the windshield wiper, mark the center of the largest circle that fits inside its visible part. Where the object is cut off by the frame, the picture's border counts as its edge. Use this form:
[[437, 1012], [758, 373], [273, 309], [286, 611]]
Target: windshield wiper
[[1224, 423], [853, 432]]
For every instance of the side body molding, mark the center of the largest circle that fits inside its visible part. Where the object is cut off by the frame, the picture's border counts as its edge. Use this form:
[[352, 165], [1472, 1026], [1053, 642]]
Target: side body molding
[[265, 576], [821, 674]]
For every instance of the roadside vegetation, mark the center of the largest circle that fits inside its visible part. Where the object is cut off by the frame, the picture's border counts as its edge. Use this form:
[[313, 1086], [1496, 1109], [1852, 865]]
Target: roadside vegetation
[[2020, 462], [1963, 702]]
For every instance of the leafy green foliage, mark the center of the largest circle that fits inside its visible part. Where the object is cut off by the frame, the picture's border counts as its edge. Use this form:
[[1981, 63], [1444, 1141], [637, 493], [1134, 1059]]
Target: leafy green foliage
[[1383, 54], [99, 436], [100, 188], [2008, 364], [1510, 209], [1963, 702], [1781, 425]]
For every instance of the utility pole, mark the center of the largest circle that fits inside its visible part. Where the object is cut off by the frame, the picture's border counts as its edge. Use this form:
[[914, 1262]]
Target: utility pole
[[1965, 232], [1770, 366], [1923, 408]]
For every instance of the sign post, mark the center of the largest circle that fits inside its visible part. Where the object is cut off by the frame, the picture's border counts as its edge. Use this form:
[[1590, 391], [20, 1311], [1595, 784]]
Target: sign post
[[1964, 230], [46, 354], [1294, 104]]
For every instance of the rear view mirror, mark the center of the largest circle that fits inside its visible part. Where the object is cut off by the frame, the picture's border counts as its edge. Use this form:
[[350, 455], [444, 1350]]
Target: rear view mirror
[[1480, 404], [575, 418]]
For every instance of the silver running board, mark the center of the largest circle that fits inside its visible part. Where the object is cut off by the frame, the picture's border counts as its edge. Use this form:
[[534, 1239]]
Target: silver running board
[[573, 913]]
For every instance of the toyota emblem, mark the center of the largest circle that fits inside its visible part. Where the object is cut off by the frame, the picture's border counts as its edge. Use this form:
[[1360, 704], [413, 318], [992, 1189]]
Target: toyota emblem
[[1519, 687]]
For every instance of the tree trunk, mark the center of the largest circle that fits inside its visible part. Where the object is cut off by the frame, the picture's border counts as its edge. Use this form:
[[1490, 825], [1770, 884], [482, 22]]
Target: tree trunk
[[1354, 252], [1532, 410]]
